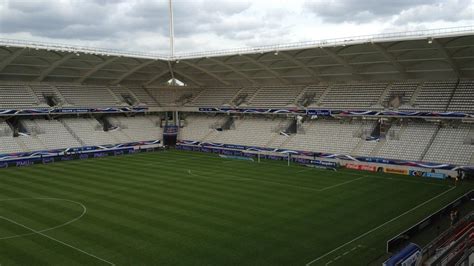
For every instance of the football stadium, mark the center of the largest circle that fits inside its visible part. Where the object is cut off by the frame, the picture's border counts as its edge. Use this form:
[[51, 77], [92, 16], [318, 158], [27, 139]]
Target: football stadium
[[350, 151]]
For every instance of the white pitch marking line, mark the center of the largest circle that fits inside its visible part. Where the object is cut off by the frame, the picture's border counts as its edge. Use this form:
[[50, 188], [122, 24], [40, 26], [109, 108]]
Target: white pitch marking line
[[280, 184], [341, 184], [376, 228], [84, 210], [54, 239]]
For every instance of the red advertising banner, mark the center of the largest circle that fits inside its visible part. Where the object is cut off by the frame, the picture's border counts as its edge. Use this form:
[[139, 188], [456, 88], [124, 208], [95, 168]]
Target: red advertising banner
[[362, 167]]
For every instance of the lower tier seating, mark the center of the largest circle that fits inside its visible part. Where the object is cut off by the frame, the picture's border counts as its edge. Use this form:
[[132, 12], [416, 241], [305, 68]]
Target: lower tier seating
[[414, 140]]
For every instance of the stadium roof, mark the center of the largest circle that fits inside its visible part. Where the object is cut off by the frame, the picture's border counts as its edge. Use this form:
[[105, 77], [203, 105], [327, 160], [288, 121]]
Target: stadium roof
[[430, 54]]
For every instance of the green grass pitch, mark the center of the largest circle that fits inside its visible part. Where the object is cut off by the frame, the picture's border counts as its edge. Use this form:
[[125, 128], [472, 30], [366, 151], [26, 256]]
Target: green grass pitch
[[185, 208]]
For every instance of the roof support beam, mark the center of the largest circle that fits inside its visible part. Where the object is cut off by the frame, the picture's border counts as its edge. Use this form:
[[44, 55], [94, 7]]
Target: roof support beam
[[96, 68], [297, 62], [206, 71], [10, 58], [131, 71], [341, 61], [447, 56], [233, 69], [188, 78], [391, 59], [53, 66], [170, 67], [266, 68], [156, 77]]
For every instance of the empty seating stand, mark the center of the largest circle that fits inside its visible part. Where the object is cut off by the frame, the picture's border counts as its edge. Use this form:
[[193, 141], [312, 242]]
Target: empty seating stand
[[88, 96], [452, 145], [411, 141], [434, 96], [143, 96], [274, 97], [42, 90], [17, 97], [315, 91], [357, 95], [326, 136], [214, 97], [404, 89], [463, 98]]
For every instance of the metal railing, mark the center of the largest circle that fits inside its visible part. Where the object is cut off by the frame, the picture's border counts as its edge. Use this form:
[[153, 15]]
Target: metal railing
[[408, 35]]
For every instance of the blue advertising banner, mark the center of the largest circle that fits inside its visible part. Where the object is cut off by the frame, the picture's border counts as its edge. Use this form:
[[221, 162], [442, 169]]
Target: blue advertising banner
[[324, 163], [427, 174], [48, 160], [43, 111], [24, 163], [338, 112]]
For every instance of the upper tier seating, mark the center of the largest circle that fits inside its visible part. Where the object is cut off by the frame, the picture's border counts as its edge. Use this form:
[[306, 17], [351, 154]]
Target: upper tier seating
[[214, 97], [88, 96], [16, 96], [433, 96], [463, 98], [417, 96], [274, 97], [316, 90], [42, 90], [357, 95], [404, 89], [122, 92], [143, 96]]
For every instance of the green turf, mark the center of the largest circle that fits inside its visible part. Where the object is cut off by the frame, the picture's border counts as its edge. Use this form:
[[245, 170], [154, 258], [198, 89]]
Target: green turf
[[184, 208]]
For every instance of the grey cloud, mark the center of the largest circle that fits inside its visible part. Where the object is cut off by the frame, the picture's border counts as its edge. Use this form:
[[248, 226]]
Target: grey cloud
[[450, 11], [336, 11], [207, 24]]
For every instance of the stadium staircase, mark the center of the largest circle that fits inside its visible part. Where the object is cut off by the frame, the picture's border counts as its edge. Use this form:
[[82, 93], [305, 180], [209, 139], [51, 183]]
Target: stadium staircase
[[415, 94], [430, 143], [21, 144], [33, 94], [63, 100], [381, 102], [323, 96], [116, 98], [149, 94], [238, 98], [69, 129], [299, 94], [453, 92]]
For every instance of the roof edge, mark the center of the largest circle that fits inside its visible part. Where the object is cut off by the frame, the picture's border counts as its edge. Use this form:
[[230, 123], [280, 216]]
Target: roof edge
[[376, 38]]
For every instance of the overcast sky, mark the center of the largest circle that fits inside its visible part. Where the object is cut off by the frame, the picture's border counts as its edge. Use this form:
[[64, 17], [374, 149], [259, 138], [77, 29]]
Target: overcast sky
[[203, 25]]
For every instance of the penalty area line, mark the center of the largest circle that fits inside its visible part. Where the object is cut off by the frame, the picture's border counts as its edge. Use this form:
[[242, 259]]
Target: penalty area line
[[56, 240], [378, 227]]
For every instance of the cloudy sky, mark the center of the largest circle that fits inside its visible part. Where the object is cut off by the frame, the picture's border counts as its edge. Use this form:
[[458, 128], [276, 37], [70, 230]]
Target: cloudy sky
[[203, 25]]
